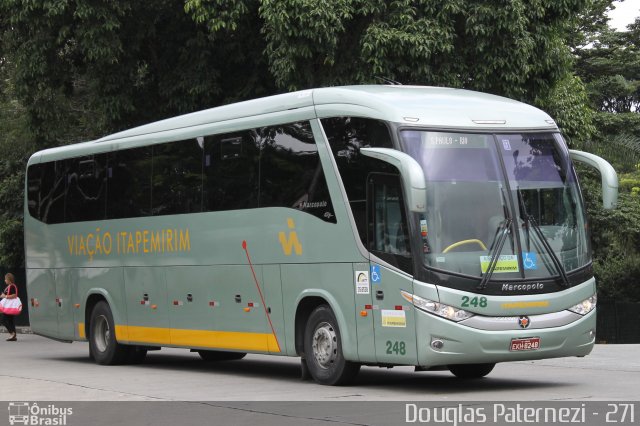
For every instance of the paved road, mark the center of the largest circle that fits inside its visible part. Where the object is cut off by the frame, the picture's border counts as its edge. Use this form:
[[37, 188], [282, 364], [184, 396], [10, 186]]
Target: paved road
[[35, 368]]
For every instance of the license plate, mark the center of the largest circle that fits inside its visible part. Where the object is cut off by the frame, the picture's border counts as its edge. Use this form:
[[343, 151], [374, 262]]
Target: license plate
[[528, 344]]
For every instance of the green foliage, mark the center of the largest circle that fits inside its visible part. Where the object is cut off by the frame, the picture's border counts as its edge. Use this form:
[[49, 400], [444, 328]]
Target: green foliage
[[217, 14], [629, 182], [591, 22], [621, 150], [615, 235], [568, 105], [624, 124], [84, 69], [611, 69], [15, 147], [514, 48]]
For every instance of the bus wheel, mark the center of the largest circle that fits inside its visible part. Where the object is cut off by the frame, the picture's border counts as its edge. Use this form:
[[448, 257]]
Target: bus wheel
[[471, 371], [102, 337], [323, 350], [221, 355]]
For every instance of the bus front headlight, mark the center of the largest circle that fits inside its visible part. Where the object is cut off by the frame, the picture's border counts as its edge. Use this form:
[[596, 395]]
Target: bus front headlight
[[440, 309], [586, 306]]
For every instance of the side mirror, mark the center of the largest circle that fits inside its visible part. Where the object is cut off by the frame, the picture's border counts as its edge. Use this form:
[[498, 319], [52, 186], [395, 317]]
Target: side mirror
[[410, 172], [607, 173]]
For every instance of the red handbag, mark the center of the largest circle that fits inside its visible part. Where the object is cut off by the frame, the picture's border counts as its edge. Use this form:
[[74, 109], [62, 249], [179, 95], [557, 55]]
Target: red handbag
[[11, 306]]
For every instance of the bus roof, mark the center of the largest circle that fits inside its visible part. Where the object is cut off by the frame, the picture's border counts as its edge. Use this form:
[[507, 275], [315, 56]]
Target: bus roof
[[434, 107]]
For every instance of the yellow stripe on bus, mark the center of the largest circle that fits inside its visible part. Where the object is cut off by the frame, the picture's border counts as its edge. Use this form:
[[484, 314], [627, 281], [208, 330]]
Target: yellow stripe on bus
[[81, 332], [237, 340], [520, 305]]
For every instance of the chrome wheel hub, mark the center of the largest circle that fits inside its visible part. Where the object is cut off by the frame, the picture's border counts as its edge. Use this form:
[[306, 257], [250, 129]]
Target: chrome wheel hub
[[101, 333], [325, 345]]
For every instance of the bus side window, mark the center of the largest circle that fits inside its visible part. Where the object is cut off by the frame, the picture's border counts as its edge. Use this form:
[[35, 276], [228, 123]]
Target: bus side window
[[177, 177], [86, 192], [46, 186], [129, 183], [388, 229], [346, 135], [230, 171], [291, 173]]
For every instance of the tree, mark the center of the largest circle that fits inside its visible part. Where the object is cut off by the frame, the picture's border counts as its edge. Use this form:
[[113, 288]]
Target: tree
[[16, 148], [568, 103], [611, 68], [83, 68], [513, 48]]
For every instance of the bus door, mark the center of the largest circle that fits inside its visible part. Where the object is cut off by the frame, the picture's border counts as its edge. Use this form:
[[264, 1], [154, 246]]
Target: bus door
[[391, 270]]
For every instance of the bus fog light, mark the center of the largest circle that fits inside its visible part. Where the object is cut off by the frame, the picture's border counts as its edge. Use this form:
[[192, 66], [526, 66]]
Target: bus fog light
[[585, 306], [437, 344]]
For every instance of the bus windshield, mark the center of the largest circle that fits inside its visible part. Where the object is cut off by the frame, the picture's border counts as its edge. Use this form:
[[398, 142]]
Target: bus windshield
[[513, 197]]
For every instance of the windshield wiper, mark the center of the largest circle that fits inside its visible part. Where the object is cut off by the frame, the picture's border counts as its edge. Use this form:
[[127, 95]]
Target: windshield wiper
[[496, 248], [530, 220], [505, 226]]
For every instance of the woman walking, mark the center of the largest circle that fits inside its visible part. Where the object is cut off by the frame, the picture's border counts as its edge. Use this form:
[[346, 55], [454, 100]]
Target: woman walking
[[10, 292]]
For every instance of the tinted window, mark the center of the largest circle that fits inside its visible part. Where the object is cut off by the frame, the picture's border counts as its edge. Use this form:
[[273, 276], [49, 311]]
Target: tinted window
[[388, 236], [129, 183], [231, 171], [45, 191], [86, 190], [177, 177], [34, 183], [291, 173], [346, 136], [267, 167]]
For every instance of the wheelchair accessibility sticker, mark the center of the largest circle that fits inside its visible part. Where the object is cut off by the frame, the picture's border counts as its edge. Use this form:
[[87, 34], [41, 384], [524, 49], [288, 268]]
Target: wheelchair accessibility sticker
[[376, 277], [529, 260]]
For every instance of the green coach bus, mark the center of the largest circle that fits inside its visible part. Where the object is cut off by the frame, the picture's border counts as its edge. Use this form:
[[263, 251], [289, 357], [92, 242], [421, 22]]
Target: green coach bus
[[366, 225]]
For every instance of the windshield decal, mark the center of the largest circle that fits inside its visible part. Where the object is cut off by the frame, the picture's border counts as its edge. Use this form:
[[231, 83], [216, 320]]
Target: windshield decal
[[505, 263], [529, 260]]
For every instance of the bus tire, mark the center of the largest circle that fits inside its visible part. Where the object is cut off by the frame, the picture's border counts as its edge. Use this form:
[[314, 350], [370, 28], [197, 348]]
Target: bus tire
[[220, 355], [102, 337], [323, 349], [471, 371]]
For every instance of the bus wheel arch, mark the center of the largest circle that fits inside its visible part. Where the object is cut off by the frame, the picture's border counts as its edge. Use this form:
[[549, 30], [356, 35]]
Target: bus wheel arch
[[92, 301], [305, 307]]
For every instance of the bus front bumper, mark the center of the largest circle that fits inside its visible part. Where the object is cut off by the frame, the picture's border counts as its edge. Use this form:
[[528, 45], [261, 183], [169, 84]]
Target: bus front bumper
[[460, 344]]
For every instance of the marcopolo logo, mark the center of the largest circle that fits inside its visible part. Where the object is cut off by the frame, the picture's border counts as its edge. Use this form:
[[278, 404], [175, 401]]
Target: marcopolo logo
[[25, 413]]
